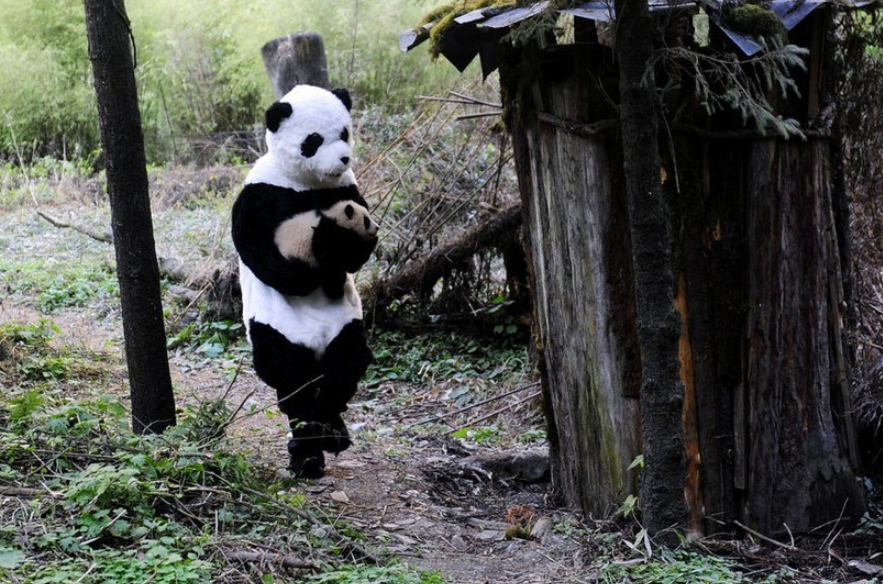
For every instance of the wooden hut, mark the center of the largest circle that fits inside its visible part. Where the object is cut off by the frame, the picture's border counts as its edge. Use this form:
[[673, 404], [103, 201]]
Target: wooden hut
[[766, 419]]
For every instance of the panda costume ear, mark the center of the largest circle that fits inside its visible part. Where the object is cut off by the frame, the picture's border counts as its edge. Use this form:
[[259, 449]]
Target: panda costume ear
[[344, 96], [277, 112]]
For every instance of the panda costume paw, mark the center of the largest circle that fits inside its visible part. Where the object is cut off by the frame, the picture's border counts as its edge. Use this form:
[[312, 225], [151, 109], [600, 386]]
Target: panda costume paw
[[301, 228]]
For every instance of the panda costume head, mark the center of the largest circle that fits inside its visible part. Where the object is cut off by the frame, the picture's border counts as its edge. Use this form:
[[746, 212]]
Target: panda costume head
[[309, 140]]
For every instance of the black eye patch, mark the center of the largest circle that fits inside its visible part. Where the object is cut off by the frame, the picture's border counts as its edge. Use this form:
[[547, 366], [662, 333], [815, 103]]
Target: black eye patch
[[309, 146], [345, 135]]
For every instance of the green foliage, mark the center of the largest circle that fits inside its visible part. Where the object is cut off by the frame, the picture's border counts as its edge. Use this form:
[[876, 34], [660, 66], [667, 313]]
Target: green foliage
[[33, 361], [48, 104], [678, 567], [114, 507], [390, 574], [482, 435], [44, 179], [725, 82], [210, 339], [150, 562], [36, 335], [198, 67], [439, 354], [62, 285]]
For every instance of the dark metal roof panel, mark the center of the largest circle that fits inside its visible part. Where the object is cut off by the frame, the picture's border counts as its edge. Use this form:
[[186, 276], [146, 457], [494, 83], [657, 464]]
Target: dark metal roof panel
[[514, 15], [464, 43]]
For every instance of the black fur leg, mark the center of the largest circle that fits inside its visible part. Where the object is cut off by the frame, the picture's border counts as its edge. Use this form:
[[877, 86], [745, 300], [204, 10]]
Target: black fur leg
[[307, 461], [290, 369], [294, 372], [345, 361]]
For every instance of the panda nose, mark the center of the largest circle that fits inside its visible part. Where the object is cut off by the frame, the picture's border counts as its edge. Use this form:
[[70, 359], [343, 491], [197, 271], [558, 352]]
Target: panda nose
[[345, 159]]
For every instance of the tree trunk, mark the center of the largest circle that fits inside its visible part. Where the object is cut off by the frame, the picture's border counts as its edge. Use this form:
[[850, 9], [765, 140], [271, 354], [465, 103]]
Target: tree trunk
[[799, 435], [662, 393], [577, 239], [294, 60], [109, 33]]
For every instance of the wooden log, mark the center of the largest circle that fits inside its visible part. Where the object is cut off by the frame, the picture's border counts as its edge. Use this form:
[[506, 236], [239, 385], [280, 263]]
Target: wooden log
[[295, 59]]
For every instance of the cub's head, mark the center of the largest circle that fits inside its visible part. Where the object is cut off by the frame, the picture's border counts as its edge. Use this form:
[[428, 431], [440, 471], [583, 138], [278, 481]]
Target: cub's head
[[354, 218], [309, 132]]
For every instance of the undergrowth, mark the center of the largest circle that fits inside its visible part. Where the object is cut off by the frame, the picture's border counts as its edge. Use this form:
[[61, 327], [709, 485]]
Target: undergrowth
[[442, 354], [85, 500]]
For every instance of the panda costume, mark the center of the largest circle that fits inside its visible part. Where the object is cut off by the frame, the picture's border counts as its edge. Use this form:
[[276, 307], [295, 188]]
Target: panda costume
[[301, 228]]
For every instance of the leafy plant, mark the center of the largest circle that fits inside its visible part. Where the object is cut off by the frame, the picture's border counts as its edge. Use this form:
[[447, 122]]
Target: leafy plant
[[210, 339], [115, 507], [481, 435], [442, 355], [389, 574], [61, 285], [678, 567]]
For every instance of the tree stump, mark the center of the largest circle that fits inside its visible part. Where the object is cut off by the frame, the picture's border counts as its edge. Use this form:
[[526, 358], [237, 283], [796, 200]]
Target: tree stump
[[295, 60]]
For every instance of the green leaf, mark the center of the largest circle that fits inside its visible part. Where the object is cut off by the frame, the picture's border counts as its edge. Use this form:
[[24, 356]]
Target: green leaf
[[10, 559]]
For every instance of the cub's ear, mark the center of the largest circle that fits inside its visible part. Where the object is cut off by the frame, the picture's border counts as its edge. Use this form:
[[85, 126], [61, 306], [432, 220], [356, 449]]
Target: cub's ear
[[344, 96], [277, 112]]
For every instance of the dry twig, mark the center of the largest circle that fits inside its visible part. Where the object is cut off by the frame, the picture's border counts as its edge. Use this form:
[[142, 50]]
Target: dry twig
[[269, 557], [102, 237]]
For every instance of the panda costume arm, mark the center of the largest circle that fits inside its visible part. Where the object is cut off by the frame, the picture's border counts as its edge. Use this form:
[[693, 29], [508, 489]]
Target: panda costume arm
[[258, 212]]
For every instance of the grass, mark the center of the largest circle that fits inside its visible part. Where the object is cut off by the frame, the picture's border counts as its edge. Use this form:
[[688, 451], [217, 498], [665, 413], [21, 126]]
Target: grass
[[87, 501], [678, 567]]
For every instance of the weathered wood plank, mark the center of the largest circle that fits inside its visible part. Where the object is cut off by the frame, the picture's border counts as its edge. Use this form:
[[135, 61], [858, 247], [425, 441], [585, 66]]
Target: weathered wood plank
[[799, 473], [578, 237]]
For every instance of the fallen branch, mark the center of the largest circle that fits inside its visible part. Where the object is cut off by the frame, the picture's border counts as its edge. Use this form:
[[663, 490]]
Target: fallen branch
[[421, 275], [437, 417], [102, 237], [21, 492], [497, 412], [765, 538], [270, 558]]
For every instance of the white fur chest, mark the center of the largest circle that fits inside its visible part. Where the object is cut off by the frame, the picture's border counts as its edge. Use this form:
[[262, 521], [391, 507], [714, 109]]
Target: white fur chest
[[312, 321]]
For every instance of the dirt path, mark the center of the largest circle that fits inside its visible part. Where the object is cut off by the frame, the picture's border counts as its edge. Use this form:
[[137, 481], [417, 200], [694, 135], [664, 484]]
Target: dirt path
[[435, 502]]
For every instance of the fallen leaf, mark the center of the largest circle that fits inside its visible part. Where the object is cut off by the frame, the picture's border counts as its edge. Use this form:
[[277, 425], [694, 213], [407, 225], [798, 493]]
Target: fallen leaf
[[340, 497]]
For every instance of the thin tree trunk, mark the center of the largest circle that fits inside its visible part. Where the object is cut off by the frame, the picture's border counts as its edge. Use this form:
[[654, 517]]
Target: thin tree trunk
[[109, 33], [662, 393]]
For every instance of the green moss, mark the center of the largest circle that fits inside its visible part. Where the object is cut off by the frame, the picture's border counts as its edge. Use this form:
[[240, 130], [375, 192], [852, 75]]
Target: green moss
[[443, 16], [755, 20]]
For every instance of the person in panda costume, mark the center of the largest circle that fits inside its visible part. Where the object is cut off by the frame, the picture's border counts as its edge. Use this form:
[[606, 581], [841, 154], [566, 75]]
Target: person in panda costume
[[301, 228]]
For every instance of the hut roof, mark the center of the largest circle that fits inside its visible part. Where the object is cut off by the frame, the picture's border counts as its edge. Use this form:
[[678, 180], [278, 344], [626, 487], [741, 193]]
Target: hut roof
[[476, 32]]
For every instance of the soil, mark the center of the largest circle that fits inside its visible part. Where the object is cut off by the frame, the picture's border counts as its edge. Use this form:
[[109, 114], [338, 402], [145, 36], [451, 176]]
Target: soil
[[470, 513]]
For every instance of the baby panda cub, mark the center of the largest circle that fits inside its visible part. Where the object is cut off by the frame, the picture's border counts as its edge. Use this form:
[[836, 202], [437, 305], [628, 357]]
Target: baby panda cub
[[333, 241]]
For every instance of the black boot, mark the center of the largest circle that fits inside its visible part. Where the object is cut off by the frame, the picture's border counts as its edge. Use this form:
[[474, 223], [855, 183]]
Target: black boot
[[307, 459], [335, 437]]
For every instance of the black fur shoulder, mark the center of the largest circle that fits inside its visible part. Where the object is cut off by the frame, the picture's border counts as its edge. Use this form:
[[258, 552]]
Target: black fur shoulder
[[257, 213]]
